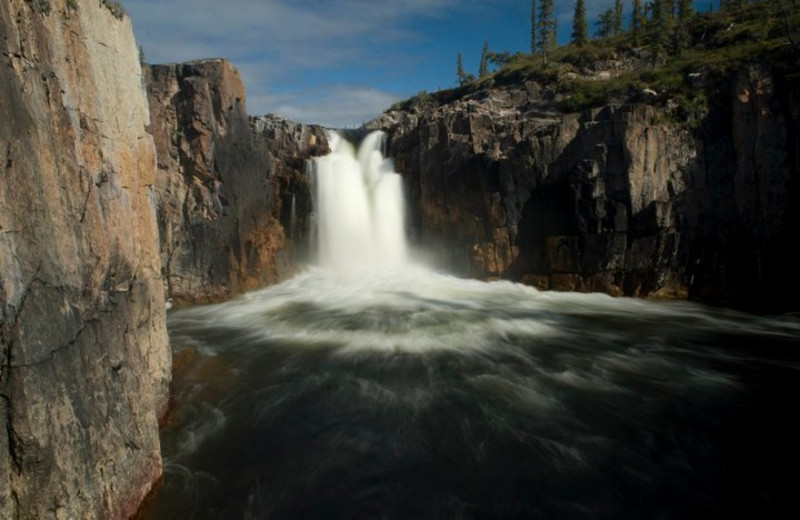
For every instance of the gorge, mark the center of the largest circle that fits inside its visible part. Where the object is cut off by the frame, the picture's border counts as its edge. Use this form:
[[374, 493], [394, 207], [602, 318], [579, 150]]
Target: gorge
[[400, 390], [373, 386]]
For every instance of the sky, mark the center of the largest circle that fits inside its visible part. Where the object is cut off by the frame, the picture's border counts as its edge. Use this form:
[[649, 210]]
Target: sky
[[339, 63]]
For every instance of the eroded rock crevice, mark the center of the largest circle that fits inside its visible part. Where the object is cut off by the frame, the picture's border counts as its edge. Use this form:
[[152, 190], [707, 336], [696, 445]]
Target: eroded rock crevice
[[223, 182], [85, 355], [622, 199]]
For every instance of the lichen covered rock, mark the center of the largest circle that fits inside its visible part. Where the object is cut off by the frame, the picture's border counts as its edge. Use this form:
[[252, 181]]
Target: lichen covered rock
[[84, 355]]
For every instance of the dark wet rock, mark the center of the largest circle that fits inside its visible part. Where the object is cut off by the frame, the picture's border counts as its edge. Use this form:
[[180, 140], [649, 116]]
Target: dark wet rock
[[624, 199], [225, 183]]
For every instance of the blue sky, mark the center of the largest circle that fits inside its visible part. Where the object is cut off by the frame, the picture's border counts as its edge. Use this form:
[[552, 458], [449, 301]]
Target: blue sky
[[338, 62]]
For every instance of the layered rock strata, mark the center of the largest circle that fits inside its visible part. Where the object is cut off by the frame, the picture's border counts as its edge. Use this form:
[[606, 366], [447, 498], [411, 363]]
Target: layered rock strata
[[225, 183], [84, 355], [623, 199]]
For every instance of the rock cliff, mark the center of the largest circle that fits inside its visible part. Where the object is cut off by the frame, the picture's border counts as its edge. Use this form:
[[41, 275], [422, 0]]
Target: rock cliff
[[624, 199], [224, 184], [84, 355]]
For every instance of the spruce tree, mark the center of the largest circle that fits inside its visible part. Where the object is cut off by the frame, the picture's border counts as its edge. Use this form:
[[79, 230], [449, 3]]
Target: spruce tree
[[638, 21], [662, 21], [728, 5], [669, 8], [460, 74], [547, 28], [685, 9], [580, 29], [682, 38], [483, 68], [653, 8], [617, 17], [605, 24]]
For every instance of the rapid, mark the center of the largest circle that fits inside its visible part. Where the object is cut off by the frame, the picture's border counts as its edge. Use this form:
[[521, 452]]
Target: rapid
[[371, 386]]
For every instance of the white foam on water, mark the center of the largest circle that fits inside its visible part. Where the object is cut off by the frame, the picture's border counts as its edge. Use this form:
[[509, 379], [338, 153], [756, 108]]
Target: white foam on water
[[366, 294]]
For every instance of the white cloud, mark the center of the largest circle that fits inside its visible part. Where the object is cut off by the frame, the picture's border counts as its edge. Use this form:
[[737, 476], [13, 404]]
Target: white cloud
[[306, 33], [332, 106], [292, 45], [279, 44]]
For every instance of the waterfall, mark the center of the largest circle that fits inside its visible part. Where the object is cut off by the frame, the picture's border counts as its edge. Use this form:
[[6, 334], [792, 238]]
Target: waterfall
[[293, 218], [371, 387], [360, 207]]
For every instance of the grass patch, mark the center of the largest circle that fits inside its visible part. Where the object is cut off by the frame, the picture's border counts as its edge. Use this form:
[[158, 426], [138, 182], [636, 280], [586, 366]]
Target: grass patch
[[713, 46], [583, 93]]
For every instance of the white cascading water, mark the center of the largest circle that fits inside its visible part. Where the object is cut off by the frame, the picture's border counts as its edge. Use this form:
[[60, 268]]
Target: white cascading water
[[370, 387], [293, 218], [360, 207]]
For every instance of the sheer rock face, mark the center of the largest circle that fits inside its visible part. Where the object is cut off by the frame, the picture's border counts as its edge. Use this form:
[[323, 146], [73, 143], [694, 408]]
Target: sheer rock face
[[616, 199], [84, 354], [222, 182]]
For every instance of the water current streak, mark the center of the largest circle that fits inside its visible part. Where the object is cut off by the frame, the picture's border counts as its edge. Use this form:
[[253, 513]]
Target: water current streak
[[369, 387]]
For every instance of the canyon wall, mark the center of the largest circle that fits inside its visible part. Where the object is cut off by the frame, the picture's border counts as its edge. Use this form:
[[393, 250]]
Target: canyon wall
[[108, 207], [225, 183], [625, 199], [92, 179], [84, 354]]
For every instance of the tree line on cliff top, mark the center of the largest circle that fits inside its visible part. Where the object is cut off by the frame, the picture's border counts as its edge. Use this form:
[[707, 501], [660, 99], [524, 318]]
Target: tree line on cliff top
[[662, 26]]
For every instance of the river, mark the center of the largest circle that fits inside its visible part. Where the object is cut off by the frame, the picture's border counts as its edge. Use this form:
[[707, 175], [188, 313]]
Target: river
[[384, 389]]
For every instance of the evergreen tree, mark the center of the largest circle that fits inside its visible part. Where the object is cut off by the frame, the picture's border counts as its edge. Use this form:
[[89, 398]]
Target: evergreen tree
[[534, 28], [638, 21], [547, 28], [500, 59], [668, 7], [483, 68], [685, 9], [580, 29], [460, 74], [605, 24], [727, 5], [617, 17], [662, 21], [682, 37]]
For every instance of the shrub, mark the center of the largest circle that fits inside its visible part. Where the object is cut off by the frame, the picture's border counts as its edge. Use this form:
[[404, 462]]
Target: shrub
[[116, 8], [41, 6]]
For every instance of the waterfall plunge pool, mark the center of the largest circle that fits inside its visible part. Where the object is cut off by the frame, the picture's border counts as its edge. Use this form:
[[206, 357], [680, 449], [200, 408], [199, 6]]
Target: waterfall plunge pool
[[371, 388]]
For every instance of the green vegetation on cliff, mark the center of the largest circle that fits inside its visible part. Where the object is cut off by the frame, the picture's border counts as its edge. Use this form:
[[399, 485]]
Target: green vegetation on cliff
[[676, 63]]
